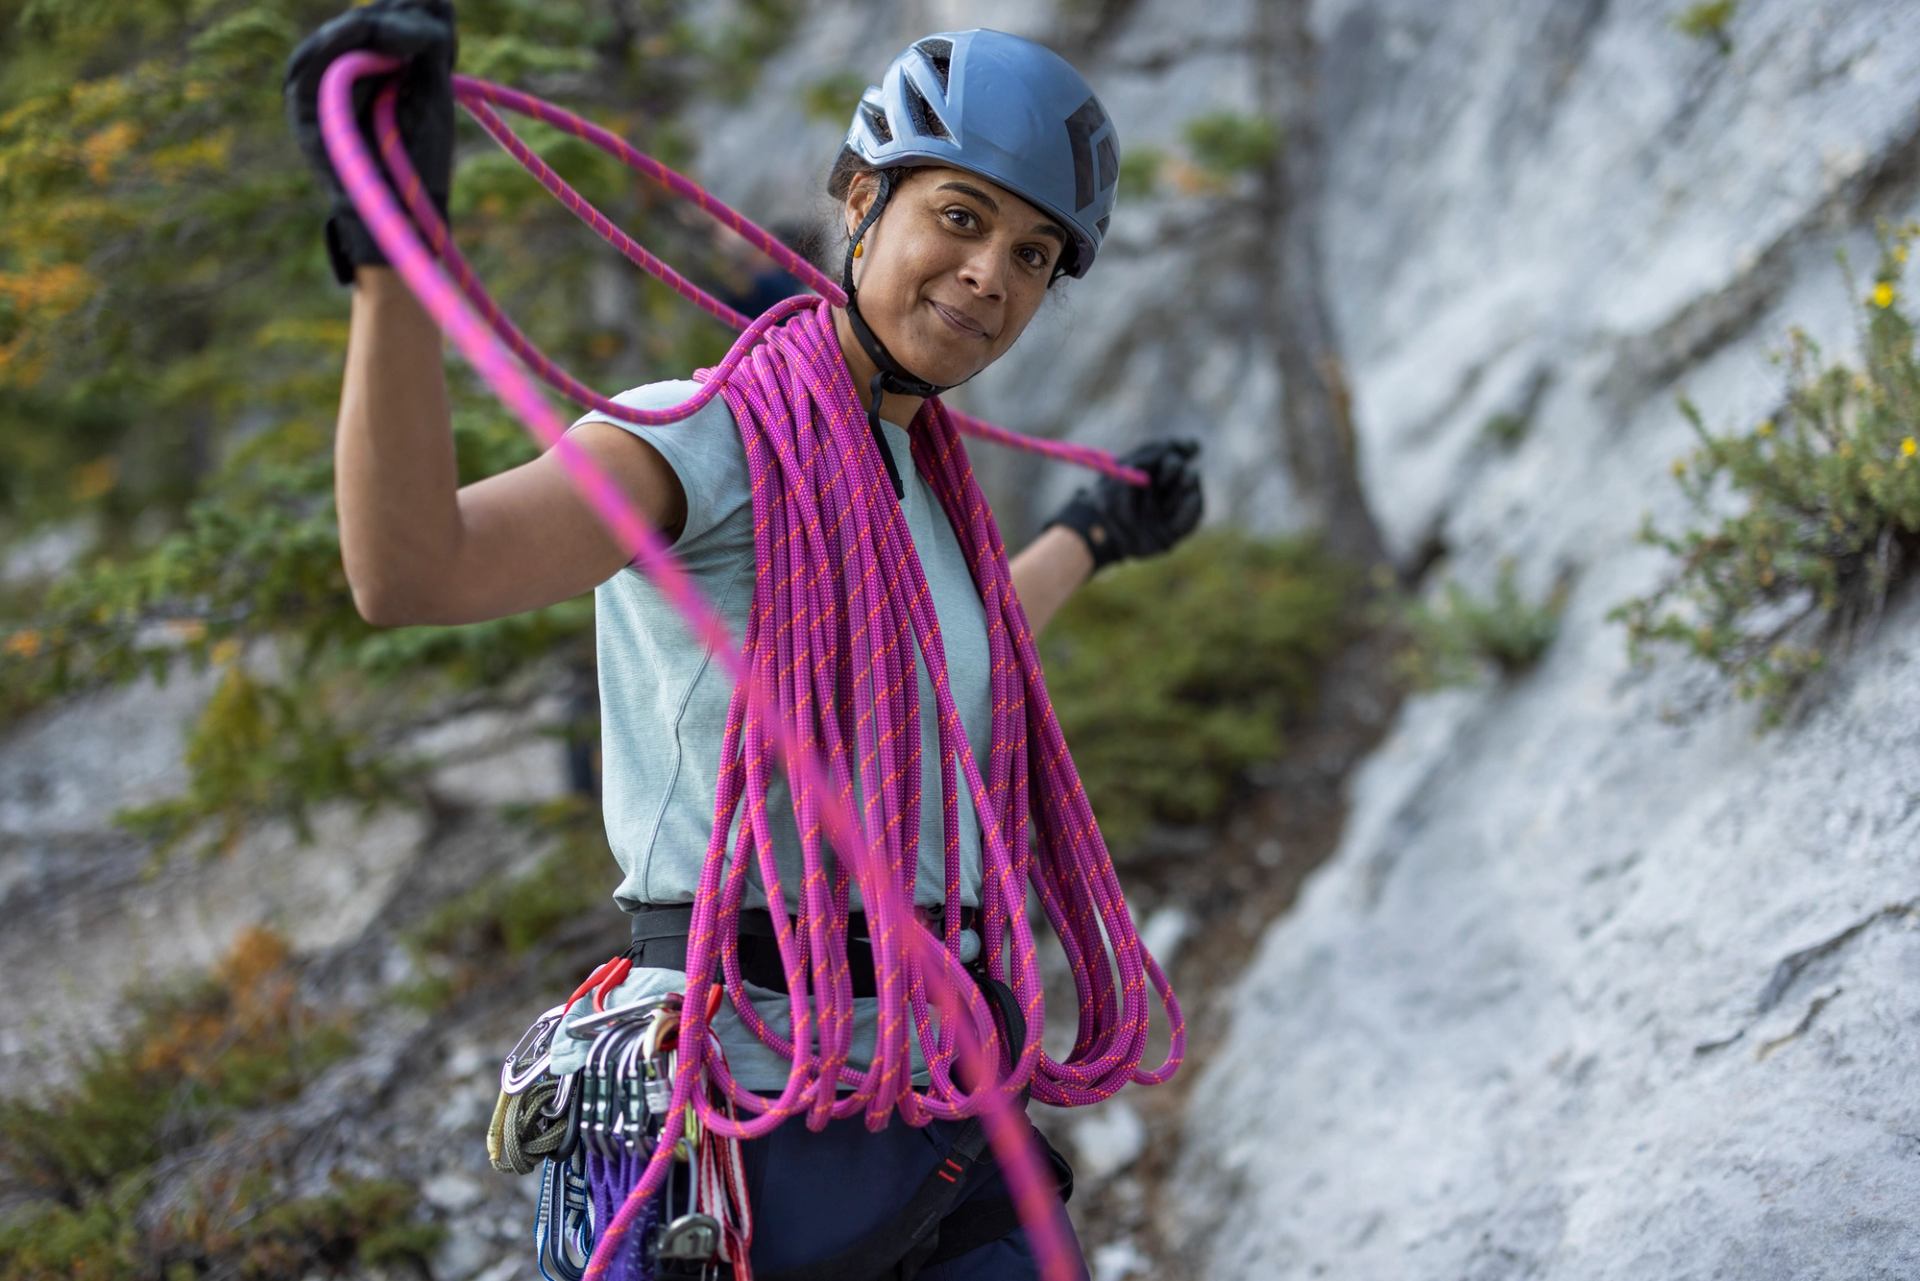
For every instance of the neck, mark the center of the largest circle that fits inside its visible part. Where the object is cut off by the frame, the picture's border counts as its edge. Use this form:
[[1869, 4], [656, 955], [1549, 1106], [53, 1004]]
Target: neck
[[894, 407]]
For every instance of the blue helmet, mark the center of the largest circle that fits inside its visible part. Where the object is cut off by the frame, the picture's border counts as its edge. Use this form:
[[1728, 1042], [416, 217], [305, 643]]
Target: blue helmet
[[1003, 107]]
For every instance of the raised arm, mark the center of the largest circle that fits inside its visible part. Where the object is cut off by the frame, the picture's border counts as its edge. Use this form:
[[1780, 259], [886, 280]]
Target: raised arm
[[419, 550]]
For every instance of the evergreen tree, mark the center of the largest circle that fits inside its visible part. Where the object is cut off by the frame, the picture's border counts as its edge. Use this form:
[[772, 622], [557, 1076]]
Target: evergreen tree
[[170, 356]]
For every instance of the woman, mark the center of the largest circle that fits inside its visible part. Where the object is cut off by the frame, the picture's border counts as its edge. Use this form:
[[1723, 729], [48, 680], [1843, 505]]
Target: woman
[[974, 178]]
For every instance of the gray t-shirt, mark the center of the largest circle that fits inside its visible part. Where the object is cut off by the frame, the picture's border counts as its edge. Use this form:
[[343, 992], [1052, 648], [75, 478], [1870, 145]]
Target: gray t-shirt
[[664, 698]]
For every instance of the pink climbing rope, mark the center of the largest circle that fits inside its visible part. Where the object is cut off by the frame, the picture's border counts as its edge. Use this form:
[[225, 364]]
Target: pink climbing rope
[[826, 688]]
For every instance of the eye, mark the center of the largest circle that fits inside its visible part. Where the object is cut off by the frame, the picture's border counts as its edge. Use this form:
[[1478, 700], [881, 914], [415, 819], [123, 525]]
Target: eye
[[1037, 258], [965, 218]]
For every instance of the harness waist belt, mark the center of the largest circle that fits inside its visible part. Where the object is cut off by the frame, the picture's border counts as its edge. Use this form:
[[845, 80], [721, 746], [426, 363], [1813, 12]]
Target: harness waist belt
[[659, 941]]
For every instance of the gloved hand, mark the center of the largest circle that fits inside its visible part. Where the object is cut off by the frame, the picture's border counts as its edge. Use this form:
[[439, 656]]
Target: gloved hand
[[1120, 521], [418, 30]]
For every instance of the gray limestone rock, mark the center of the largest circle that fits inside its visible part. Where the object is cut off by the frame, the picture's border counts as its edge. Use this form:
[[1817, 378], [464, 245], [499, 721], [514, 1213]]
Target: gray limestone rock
[[1600, 984]]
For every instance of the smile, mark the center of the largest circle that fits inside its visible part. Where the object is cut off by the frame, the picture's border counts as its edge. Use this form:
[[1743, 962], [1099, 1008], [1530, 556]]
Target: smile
[[957, 322]]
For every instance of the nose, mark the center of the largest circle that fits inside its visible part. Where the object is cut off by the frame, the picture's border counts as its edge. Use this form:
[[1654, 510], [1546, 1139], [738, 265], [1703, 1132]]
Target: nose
[[985, 272]]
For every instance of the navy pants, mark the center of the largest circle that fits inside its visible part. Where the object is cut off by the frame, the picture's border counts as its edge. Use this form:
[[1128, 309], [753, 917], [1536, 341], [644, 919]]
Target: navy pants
[[815, 1194]]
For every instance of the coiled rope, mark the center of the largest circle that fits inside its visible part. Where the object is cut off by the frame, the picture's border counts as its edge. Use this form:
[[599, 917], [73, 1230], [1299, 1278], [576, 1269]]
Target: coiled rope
[[826, 686]]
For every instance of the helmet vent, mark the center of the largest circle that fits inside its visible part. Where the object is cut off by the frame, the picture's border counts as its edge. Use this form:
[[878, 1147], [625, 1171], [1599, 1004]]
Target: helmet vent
[[926, 121], [940, 54], [877, 121]]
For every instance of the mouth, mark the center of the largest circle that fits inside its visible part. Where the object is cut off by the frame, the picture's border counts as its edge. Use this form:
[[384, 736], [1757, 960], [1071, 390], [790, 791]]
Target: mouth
[[958, 322]]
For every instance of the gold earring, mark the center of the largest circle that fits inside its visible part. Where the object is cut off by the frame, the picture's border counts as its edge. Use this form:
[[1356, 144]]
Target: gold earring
[[859, 249]]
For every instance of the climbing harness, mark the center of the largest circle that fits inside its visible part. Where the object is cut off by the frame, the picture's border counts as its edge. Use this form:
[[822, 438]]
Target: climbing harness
[[596, 1126], [825, 689]]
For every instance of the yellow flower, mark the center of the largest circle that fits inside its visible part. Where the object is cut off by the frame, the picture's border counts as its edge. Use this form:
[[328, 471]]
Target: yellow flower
[[1765, 428], [24, 644], [226, 651], [1679, 468], [1908, 447], [1900, 254], [1883, 294]]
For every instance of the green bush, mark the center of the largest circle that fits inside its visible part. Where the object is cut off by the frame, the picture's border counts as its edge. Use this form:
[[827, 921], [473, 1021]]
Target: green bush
[[1505, 429], [1173, 675], [832, 98], [1828, 491], [1224, 143], [198, 1056], [1708, 21], [238, 1228], [1140, 170], [1452, 642], [198, 1053]]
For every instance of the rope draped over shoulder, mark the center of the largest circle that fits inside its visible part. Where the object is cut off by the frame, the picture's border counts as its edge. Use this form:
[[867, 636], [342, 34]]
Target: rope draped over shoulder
[[827, 689], [840, 606]]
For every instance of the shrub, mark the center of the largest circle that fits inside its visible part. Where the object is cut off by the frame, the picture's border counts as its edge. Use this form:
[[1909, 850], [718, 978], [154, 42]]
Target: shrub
[[197, 1056], [198, 1053], [1140, 170], [1225, 143], [236, 1227], [1827, 492], [1708, 21], [1173, 675], [832, 98], [1505, 429], [1454, 641]]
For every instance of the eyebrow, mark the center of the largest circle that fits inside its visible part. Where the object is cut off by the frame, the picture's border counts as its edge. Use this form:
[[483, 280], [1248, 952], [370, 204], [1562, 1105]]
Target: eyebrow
[[1042, 229]]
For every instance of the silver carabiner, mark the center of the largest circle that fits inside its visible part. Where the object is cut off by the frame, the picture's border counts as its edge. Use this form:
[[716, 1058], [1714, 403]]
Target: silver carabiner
[[531, 1055], [691, 1238], [588, 1026]]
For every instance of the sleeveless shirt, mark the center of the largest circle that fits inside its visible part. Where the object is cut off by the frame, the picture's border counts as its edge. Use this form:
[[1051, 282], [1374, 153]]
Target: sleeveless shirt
[[664, 698]]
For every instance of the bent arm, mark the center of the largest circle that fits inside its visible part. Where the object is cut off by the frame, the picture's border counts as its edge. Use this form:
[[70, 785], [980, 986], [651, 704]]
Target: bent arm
[[418, 548], [1047, 571]]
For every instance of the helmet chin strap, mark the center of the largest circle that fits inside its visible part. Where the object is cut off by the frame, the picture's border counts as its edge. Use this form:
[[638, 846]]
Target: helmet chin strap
[[892, 376]]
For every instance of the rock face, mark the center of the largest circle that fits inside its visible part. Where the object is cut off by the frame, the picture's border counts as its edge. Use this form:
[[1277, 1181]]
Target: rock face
[[1599, 984]]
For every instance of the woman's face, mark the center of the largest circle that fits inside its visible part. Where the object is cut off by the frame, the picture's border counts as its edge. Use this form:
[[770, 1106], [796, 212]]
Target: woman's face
[[952, 271]]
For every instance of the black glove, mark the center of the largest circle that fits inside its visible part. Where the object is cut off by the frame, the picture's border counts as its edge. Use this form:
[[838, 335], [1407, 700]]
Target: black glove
[[1119, 520], [418, 30]]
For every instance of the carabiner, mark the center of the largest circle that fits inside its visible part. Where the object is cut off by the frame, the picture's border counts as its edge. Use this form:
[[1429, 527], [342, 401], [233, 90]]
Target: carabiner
[[531, 1055]]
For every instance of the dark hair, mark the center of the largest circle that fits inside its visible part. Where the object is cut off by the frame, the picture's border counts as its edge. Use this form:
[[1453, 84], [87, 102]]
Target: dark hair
[[846, 167]]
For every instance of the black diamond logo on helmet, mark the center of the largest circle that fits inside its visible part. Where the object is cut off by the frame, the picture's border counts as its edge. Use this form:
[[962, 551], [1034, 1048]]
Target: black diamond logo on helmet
[[1091, 176]]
